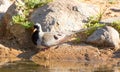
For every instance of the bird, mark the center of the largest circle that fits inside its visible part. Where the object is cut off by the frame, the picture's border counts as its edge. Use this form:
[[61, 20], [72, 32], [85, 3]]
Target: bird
[[46, 39], [35, 35]]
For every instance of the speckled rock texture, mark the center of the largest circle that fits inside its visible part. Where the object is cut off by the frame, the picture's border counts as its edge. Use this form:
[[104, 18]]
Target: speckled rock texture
[[106, 36], [67, 16]]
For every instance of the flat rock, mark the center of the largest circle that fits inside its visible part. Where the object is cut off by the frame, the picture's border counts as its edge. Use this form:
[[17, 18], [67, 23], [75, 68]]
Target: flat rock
[[6, 52], [71, 53]]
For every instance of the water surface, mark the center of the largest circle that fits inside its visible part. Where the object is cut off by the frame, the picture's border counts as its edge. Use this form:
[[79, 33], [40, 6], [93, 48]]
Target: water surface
[[52, 66]]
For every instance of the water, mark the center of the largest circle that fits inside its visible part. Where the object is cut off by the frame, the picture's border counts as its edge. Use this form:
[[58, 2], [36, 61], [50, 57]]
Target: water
[[55, 66]]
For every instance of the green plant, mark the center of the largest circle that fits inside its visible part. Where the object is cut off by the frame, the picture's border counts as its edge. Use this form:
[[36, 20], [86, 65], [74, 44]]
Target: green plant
[[19, 19], [93, 27], [112, 1], [116, 25], [36, 3], [93, 23], [26, 9]]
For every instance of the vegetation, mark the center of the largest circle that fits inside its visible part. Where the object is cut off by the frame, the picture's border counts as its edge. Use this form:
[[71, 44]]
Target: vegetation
[[35, 3], [26, 9], [116, 25], [112, 1], [93, 23]]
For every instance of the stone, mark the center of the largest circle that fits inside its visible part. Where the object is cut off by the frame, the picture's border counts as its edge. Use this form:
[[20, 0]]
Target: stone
[[22, 36], [4, 5], [66, 16], [6, 20], [66, 52], [110, 20], [16, 31], [106, 36], [8, 52]]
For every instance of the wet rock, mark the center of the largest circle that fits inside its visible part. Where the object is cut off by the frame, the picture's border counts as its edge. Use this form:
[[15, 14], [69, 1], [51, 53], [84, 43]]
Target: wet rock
[[106, 36], [8, 54], [67, 16]]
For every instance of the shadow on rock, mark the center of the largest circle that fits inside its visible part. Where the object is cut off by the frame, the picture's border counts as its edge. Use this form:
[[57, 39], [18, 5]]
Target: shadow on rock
[[116, 54], [18, 40], [115, 10]]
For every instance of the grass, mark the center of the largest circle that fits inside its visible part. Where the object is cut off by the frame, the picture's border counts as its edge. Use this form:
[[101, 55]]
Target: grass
[[93, 23], [116, 25]]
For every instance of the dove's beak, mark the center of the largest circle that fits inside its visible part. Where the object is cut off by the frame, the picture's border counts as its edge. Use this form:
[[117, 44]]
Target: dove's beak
[[34, 30]]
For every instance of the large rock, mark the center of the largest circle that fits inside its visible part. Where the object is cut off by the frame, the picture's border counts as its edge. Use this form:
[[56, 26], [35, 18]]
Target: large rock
[[22, 36], [106, 36], [64, 16], [4, 5], [6, 20], [16, 31]]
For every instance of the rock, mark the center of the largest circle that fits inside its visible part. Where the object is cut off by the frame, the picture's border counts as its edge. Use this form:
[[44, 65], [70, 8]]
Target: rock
[[115, 9], [64, 16], [8, 52], [69, 53], [22, 36], [4, 5], [110, 20], [7, 18], [106, 36], [17, 32]]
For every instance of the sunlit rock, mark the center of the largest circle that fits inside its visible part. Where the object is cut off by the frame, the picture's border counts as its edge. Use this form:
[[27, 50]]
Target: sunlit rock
[[106, 36], [69, 53], [62, 17], [67, 16]]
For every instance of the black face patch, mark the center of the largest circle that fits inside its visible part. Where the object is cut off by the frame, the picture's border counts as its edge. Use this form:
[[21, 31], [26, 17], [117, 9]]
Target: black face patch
[[36, 26], [35, 37]]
